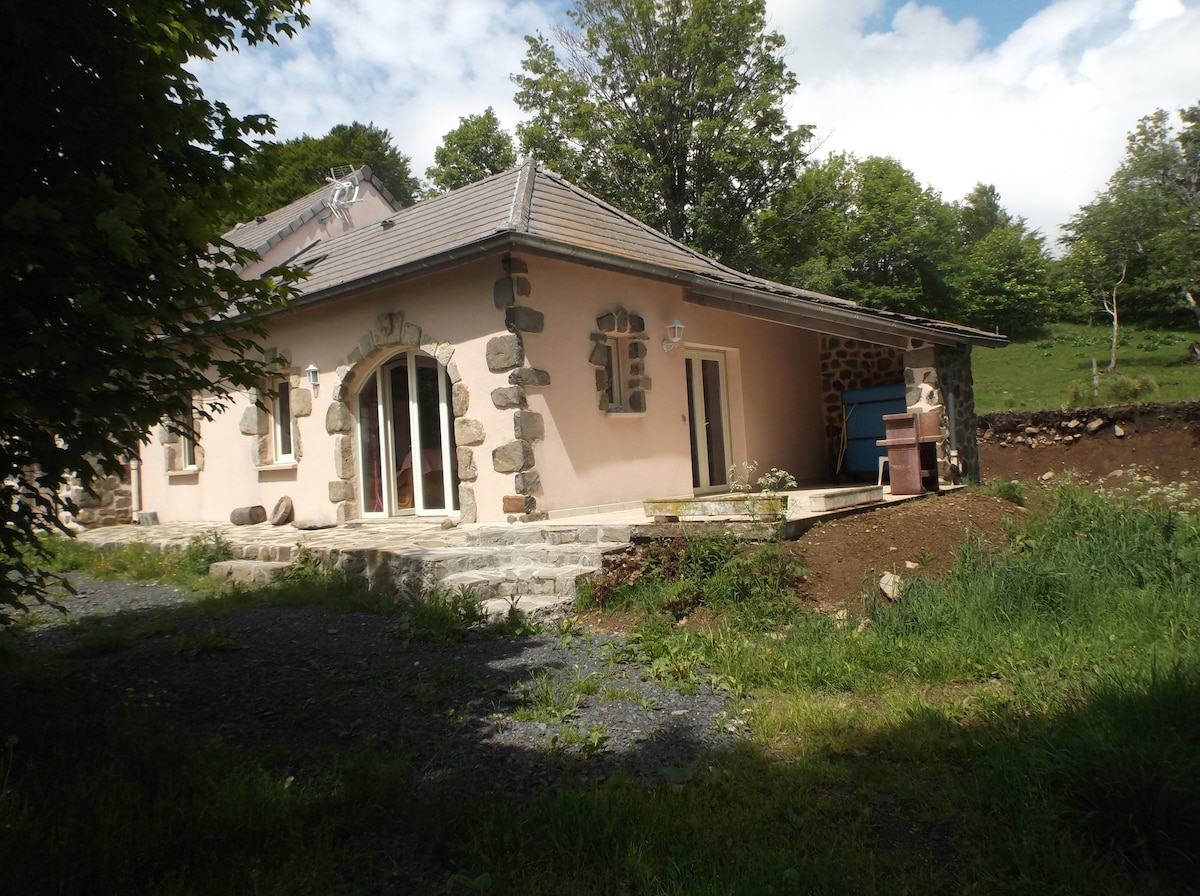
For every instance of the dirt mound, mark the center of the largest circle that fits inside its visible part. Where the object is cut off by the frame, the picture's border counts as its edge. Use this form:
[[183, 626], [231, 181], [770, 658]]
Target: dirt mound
[[846, 557], [1159, 439]]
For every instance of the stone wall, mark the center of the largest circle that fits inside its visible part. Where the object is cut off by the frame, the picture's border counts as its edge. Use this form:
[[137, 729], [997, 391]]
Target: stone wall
[[958, 387], [851, 364], [111, 505]]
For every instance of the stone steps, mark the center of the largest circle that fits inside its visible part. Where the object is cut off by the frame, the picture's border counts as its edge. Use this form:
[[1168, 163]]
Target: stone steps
[[533, 568]]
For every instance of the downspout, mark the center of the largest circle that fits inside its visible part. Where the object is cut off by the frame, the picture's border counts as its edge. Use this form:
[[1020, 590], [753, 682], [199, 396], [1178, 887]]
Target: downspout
[[135, 485]]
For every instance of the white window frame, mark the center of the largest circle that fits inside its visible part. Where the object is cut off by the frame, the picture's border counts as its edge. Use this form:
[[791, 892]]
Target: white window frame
[[189, 447], [616, 369]]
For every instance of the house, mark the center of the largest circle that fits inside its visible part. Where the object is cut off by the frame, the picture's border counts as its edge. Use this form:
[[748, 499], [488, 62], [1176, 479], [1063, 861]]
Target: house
[[519, 349]]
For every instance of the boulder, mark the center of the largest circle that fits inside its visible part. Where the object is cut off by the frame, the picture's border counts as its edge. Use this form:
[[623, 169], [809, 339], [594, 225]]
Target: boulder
[[283, 512], [248, 516]]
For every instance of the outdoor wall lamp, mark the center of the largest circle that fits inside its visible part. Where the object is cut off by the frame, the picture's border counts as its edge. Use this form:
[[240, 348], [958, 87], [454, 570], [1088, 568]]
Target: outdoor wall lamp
[[674, 335], [314, 377]]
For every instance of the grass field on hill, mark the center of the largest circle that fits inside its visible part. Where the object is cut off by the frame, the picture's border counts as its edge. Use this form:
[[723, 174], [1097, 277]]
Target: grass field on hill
[[1054, 369]]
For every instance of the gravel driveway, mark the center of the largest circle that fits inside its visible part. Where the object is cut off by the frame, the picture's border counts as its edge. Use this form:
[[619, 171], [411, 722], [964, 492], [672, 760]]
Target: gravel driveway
[[307, 680]]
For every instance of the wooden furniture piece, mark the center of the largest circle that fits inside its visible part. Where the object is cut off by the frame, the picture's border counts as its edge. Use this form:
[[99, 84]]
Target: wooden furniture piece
[[911, 456]]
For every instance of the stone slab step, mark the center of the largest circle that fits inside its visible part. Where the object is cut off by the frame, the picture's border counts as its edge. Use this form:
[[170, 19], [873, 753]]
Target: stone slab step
[[248, 572], [529, 606], [840, 498], [519, 581], [562, 535], [758, 506]]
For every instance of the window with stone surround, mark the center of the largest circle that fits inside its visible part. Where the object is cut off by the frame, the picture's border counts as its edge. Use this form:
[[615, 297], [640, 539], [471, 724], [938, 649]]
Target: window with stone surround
[[182, 442], [272, 420], [619, 358]]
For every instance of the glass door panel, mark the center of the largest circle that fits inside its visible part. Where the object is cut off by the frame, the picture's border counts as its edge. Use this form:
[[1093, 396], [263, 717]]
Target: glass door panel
[[707, 410], [400, 429], [370, 447]]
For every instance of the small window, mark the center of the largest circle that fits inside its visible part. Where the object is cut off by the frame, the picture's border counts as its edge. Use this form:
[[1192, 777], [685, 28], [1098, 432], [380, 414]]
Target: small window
[[281, 422], [189, 446], [184, 454], [614, 375]]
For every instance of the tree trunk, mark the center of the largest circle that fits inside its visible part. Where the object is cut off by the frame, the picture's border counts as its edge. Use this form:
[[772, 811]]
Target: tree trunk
[[1193, 304], [1110, 306]]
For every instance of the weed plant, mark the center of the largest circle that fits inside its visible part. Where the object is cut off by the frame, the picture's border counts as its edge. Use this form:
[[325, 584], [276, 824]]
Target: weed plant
[[444, 616]]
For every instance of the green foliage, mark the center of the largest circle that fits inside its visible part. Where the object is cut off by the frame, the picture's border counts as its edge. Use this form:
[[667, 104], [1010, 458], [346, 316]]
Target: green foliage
[[1008, 490], [285, 171], [865, 230], [673, 110], [753, 581], [123, 306], [1114, 388], [181, 566], [1005, 281], [476, 149], [546, 698], [1124, 767], [202, 551]]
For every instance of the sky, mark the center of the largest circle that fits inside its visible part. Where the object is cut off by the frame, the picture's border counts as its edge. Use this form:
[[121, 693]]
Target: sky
[[1032, 97]]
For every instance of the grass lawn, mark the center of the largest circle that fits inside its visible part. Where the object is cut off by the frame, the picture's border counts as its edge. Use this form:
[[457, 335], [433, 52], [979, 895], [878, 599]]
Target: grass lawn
[[1029, 723], [1054, 370]]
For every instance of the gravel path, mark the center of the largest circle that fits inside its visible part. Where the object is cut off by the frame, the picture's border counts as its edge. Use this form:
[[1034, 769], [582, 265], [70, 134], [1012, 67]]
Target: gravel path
[[502, 713]]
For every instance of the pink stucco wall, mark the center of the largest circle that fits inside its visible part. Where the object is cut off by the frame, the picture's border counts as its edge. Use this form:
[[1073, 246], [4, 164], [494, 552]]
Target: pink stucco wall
[[591, 458], [587, 459], [456, 308]]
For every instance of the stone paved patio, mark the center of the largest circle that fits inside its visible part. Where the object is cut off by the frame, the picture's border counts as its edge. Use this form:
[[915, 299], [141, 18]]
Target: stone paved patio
[[537, 564]]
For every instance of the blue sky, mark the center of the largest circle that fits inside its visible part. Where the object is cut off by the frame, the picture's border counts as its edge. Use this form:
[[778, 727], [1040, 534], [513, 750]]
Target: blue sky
[[1034, 98], [998, 18]]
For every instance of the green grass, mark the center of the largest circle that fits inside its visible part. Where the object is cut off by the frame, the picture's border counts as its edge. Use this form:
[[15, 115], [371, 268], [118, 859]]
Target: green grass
[[1029, 723], [1054, 369]]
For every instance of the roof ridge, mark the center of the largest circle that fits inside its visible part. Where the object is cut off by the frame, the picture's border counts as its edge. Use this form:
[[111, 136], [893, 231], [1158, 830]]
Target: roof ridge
[[643, 226], [521, 209]]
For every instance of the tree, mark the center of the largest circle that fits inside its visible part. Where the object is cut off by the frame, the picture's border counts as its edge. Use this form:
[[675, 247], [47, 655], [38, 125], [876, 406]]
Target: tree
[[476, 149], [980, 213], [285, 171], [1004, 281], [671, 109], [1003, 276], [1146, 224], [865, 230], [121, 301]]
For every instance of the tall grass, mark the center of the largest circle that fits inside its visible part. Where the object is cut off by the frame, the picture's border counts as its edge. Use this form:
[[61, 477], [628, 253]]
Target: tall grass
[[1029, 723]]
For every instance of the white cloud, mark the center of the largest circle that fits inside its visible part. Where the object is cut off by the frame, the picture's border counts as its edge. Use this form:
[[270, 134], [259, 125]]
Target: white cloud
[[1042, 115], [413, 67], [1148, 13]]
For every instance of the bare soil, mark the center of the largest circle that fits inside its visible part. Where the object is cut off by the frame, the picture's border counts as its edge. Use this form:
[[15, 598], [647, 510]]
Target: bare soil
[[846, 557]]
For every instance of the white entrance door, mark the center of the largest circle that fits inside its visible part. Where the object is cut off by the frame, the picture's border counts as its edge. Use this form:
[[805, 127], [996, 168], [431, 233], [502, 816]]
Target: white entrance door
[[406, 439], [708, 410]]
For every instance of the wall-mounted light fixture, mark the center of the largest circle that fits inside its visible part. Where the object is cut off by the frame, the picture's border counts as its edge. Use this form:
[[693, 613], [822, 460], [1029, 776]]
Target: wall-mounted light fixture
[[674, 335], [314, 377]]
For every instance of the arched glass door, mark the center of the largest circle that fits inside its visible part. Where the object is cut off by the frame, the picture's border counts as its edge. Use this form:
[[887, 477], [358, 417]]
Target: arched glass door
[[406, 440]]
